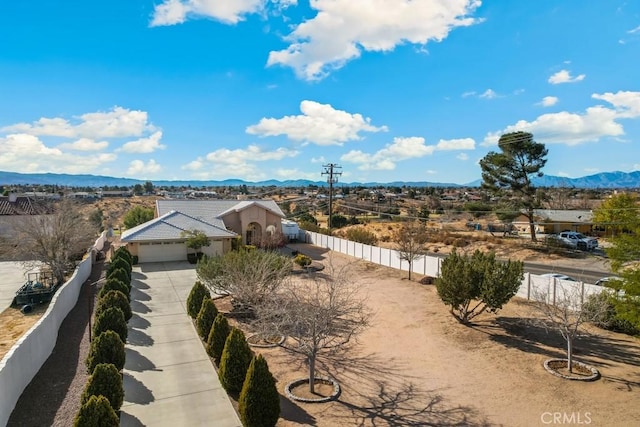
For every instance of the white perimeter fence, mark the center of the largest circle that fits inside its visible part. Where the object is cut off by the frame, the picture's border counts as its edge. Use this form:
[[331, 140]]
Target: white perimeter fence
[[26, 357], [533, 287]]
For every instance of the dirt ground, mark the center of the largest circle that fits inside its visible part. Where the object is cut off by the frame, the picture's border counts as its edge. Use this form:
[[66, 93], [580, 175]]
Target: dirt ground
[[417, 366], [14, 324]]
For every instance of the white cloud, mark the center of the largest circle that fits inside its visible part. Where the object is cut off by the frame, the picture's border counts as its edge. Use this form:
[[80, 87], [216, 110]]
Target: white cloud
[[320, 159], [144, 145], [627, 103], [386, 158], [548, 101], [563, 174], [462, 156], [84, 144], [636, 167], [432, 172], [564, 76], [456, 144], [27, 153], [252, 153], [468, 94], [488, 94], [117, 123], [140, 168], [172, 12], [320, 124], [296, 173], [635, 30], [342, 29]]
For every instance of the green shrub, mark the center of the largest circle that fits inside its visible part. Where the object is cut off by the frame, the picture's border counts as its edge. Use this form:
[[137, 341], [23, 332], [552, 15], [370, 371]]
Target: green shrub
[[106, 348], [120, 274], [206, 316], [114, 285], [111, 319], [259, 403], [361, 235], [96, 412], [105, 381], [601, 309], [217, 337], [134, 260], [194, 301], [114, 299], [119, 262], [234, 362], [302, 260], [123, 252]]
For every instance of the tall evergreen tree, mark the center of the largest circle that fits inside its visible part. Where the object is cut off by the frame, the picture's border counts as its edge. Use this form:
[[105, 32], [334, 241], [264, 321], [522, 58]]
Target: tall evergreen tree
[[96, 412], [194, 301], [259, 403], [235, 361], [106, 348], [217, 337], [206, 317], [105, 381]]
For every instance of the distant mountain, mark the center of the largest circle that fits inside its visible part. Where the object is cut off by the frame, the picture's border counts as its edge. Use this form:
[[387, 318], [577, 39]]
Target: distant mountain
[[600, 180]]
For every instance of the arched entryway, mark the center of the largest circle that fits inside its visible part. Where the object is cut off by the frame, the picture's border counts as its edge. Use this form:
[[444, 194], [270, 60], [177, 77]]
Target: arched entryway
[[254, 233]]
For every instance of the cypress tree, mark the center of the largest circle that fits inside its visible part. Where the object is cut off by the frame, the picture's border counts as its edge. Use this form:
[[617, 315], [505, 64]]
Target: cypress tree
[[234, 362], [114, 285], [96, 412], [106, 348], [217, 337], [105, 381], [111, 319], [259, 403], [123, 252], [206, 316], [114, 299], [119, 262], [194, 301], [120, 274]]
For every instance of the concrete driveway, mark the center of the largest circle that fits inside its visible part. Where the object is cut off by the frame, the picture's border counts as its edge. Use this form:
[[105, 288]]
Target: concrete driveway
[[12, 276], [169, 379]]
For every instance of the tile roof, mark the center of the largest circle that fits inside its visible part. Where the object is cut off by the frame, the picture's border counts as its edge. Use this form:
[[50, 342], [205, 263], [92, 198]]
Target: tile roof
[[171, 225], [211, 210]]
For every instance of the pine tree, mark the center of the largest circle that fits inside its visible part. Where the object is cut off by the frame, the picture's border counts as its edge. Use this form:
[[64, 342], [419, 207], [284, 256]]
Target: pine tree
[[206, 317], [235, 361], [111, 319], [96, 412], [114, 285], [119, 262], [120, 274], [106, 348], [259, 403], [105, 381], [194, 301], [217, 337], [114, 299]]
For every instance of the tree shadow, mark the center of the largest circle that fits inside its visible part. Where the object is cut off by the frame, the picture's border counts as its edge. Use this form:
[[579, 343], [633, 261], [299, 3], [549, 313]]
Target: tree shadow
[[135, 391], [138, 295], [138, 307], [128, 420], [138, 322], [291, 412], [136, 275], [137, 362], [406, 405], [139, 338]]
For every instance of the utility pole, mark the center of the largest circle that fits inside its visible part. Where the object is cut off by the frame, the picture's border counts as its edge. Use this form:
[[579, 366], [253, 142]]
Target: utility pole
[[329, 169]]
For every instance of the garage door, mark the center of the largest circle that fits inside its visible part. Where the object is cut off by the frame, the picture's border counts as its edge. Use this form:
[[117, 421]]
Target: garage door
[[162, 252]]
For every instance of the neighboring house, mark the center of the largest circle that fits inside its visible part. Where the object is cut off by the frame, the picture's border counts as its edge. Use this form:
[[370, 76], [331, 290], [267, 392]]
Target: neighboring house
[[553, 221], [163, 239]]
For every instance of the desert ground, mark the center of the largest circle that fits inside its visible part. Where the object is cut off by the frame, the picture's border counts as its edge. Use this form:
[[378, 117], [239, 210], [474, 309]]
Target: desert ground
[[416, 365]]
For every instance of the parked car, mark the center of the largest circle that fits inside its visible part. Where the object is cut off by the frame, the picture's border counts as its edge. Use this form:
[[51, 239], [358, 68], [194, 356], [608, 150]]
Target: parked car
[[575, 240], [559, 276], [607, 282]]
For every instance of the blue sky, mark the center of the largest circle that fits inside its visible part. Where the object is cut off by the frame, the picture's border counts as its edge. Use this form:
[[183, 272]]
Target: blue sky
[[390, 90]]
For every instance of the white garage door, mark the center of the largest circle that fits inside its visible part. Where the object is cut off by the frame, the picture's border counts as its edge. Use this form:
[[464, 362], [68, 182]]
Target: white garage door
[[162, 252]]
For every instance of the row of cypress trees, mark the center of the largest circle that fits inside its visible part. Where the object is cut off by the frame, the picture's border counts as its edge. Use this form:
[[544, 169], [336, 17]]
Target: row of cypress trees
[[104, 392], [241, 372]]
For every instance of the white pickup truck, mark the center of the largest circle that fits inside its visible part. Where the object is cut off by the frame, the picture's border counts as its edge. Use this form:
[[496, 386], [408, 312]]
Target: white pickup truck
[[578, 240]]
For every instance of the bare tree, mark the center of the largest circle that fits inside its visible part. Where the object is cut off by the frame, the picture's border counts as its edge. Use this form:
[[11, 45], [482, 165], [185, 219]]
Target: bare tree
[[567, 313], [410, 240], [248, 275], [320, 313], [56, 238]]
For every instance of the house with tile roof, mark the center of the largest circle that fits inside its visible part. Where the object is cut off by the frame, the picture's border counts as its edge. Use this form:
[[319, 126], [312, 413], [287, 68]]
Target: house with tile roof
[[164, 239]]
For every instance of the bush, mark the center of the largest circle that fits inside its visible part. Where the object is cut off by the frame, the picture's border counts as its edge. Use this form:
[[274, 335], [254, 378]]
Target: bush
[[119, 262], [123, 252], [106, 348], [105, 381], [361, 235], [234, 362], [302, 260], [96, 412], [217, 337], [206, 316], [259, 403], [609, 319], [114, 299], [111, 319], [134, 260], [114, 285], [120, 274], [194, 301]]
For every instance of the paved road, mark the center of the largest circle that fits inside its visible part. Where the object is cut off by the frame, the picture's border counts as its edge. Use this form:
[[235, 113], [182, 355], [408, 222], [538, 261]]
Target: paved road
[[169, 379]]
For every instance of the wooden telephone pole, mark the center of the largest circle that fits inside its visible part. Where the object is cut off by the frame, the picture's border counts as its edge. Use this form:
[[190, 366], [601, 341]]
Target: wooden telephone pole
[[332, 178]]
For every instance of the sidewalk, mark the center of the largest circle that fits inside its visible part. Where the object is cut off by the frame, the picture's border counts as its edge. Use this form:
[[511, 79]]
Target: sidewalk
[[169, 379]]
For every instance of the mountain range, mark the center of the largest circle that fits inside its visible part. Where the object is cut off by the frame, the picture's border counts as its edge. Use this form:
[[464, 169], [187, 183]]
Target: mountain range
[[601, 180]]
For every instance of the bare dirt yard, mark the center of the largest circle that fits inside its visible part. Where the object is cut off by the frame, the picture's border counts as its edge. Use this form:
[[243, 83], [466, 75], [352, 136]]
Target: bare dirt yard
[[417, 366]]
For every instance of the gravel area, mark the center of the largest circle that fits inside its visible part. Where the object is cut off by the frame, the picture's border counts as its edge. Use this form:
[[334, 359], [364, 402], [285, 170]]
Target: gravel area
[[53, 396]]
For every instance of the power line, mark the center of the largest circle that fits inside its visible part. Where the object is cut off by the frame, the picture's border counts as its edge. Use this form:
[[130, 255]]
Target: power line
[[329, 169]]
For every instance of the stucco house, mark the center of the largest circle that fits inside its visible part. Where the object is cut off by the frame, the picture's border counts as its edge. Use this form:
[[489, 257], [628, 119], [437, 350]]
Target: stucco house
[[557, 220], [163, 238]]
